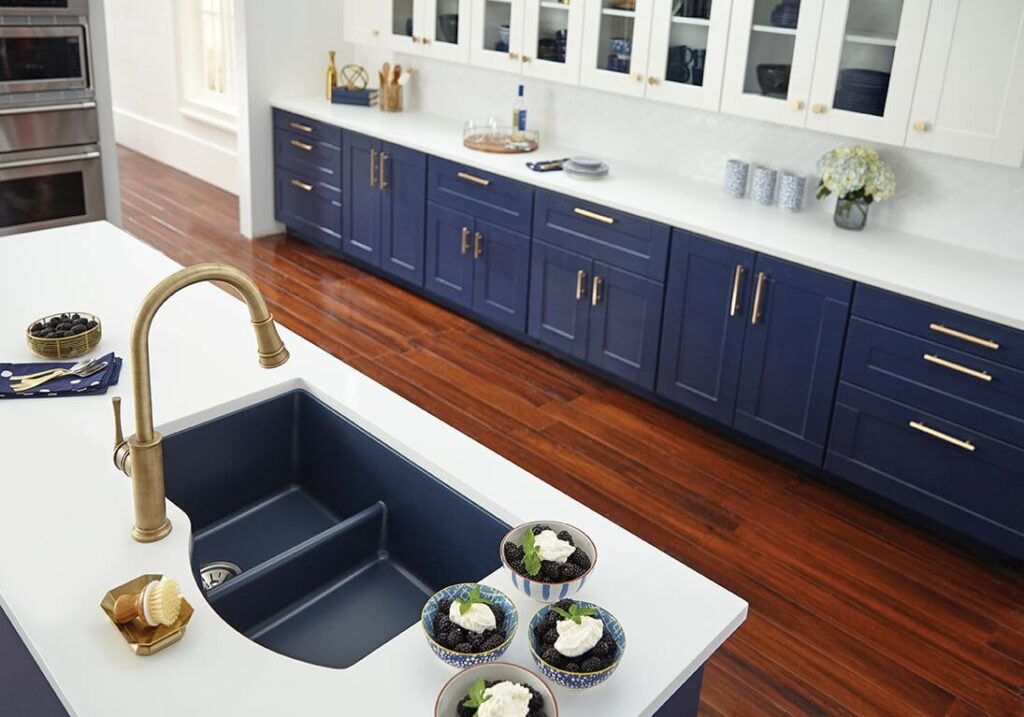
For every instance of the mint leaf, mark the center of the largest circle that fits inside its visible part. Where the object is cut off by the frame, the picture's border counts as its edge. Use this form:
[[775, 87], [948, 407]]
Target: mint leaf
[[473, 599], [561, 612], [476, 695], [575, 613], [531, 554]]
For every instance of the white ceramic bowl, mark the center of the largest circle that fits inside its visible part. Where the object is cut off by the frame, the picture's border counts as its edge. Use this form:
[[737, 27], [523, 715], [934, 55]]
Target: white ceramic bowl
[[453, 693], [537, 589]]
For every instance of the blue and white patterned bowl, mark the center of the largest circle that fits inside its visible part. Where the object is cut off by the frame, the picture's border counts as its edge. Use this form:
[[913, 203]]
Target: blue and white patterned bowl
[[536, 589], [463, 660], [577, 680]]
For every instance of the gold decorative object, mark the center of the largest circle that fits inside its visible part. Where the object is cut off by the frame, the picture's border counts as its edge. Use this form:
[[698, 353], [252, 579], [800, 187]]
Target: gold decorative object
[[353, 78], [69, 347], [141, 638], [332, 75]]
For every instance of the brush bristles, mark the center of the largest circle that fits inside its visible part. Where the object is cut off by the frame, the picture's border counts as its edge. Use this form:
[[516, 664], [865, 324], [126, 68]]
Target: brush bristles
[[163, 602]]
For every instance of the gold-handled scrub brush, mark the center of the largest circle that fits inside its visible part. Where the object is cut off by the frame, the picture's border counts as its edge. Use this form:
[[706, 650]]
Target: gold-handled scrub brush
[[159, 603]]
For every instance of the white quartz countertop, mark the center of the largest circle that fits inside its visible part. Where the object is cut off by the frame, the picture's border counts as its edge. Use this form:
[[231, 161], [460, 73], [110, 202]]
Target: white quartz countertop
[[984, 285], [65, 515]]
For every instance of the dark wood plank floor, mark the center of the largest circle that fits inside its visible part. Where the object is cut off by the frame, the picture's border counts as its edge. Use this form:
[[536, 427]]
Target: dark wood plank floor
[[852, 612]]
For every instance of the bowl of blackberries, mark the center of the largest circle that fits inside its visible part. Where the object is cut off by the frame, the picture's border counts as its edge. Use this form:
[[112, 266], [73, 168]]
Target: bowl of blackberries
[[469, 624], [548, 561], [496, 688], [64, 336], [577, 645]]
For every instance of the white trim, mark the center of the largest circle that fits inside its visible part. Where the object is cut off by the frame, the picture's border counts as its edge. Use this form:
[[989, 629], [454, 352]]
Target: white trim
[[222, 119]]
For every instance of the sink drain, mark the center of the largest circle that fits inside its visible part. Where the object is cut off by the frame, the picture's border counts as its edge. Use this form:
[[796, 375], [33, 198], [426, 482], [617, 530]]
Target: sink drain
[[216, 574]]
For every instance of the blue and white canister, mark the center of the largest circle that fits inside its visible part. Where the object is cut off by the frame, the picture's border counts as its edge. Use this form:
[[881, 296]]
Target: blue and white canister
[[792, 189], [762, 186], [736, 171]]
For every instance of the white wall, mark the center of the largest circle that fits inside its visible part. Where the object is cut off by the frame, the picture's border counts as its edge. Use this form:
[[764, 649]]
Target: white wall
[[144, 80]]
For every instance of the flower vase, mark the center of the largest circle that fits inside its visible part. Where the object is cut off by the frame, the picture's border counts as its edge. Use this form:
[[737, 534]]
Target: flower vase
[[851, 214]]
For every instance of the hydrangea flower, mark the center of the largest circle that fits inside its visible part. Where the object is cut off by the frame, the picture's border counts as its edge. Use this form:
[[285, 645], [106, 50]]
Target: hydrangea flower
[[856, 173]]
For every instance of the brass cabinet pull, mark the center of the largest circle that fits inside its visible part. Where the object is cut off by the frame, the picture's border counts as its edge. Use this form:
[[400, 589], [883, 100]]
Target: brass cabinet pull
[[373, 168], [474, 180], [301, 127], [959, 368], [383, 171], [465, 239], [737, 283], [581, 285], [755, 317], [595, 216], [513, 55], [939, 328], [301, 145], [478, 245], [595, 297], [303, 186], [966, 445]]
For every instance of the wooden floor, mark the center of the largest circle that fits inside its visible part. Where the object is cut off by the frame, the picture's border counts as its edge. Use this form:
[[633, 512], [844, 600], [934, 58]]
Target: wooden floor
[[852, 612]]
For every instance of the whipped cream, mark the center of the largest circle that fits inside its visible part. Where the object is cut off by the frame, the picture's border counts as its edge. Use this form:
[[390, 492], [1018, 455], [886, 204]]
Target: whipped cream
[[507, 700], [477, 619], [553, 548], [573, 640]]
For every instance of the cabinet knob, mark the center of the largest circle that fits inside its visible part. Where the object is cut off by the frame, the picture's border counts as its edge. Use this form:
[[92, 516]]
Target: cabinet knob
[[796, 105], [637, 77], [921, 127], [415, 39], [653, 80], [374, 33], [513, 55], [526, 58], [425, 40], [818, 108]]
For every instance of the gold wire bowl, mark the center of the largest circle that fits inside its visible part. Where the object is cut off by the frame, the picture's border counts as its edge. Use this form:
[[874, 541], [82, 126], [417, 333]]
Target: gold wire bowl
[[67, 347]]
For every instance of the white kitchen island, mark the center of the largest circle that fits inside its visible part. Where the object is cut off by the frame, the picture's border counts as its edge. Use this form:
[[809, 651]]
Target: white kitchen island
[[65, 516]]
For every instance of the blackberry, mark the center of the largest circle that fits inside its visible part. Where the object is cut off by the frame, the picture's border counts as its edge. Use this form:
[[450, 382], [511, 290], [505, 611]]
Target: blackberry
[[492, 642], [563, 605], [64, 317], [37, 327], [536, 700], [602, 649], [476, 640], [75, 317], [550, 637], [553, 657], [465, 711], [581, 559], [592, 664], [513, 553], [54, 321], [570, 571], [463, 647], [453, 637], [78, 330], [536, 713], [442, 624], [91, 325], [518, 567], [564, 535], [499, 616], [550, 571], [443, 606], [538, 529], [572, 667]]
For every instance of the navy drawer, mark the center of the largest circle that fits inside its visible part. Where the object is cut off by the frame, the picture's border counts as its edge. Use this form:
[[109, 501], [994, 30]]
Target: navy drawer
[[312, 209], [619, 239], [312, 157], [306, 127], [487, 196], [961, 387], [956, 476], [949, 328]]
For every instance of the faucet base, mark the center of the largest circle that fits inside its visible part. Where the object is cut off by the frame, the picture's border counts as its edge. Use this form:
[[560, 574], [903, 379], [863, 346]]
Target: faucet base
[[151, 536]]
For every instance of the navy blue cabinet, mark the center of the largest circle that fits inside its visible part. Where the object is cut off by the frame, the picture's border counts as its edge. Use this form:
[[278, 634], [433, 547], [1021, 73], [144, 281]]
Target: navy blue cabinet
[[362, 199], [449, 263], [559, 292], [706, 303]]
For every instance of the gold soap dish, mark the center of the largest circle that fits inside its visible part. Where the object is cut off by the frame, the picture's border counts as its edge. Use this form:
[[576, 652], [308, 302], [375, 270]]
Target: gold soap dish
[[141, 638]]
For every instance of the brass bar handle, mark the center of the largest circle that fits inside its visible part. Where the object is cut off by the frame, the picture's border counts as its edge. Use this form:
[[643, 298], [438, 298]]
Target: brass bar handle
[[301, 145], [581, 285], [755, 316], [945, 437], [475, 180], [303, 186], [595, 297], [301, 127], [959, 368], [373, 168], [478, 245], [939, 328], [383, 171], [465, 239], [737, 284], [594, 215]]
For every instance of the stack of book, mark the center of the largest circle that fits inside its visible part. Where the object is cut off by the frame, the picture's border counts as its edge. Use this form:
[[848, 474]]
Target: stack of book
[[362, 98]]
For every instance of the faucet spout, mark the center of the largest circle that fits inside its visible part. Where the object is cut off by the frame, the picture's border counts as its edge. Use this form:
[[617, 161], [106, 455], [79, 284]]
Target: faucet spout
[[142, 458]]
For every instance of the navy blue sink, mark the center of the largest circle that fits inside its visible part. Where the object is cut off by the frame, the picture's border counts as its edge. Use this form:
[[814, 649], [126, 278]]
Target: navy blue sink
[[340, 540]]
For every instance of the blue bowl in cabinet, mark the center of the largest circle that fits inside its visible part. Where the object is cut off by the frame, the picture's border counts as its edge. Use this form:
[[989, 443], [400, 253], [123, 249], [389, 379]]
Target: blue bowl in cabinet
[[462, 660]]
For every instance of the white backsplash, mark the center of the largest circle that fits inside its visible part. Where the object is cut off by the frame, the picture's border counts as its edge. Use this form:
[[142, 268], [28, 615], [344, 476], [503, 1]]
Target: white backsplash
[[947, 199]]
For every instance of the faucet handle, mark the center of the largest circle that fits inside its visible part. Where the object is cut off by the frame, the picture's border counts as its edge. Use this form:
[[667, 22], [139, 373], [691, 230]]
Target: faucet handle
[[122, 452], [118, 433]]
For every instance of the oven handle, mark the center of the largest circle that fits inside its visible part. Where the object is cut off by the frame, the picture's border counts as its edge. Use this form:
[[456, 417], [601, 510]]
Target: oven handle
[[88, 105], [61, 159]]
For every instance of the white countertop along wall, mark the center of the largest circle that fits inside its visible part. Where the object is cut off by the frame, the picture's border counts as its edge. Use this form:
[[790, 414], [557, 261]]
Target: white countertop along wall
[[955, 276], [65, 515]]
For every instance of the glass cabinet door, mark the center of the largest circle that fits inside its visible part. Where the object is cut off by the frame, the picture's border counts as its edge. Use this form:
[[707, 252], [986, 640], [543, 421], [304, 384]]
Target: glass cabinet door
[[552, 37], [687, 59], [616, 37], [771, 59], [867, 67], [402, 29], [497, 37], [445, 33]]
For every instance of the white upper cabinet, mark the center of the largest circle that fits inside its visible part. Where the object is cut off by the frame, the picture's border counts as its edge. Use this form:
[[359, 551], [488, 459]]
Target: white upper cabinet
[[553, 32], [362, 22], [499, 28], [616, 41], [970, 90], [687, 58], [432, 28], [770, 67], [866, 67]]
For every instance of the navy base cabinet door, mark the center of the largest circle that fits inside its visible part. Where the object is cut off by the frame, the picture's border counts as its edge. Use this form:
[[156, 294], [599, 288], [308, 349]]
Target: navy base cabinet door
[[791, 357], [625, 324], [311, 209], [403, 183], [449, 260], [501, 278], [363, 198], [559, 299], [706, 315]]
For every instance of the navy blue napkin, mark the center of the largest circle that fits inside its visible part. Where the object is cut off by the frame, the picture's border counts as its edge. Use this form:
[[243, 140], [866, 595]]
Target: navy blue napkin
[[94, 385]]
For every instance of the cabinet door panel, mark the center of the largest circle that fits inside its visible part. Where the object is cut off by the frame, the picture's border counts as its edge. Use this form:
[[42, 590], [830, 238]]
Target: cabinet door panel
[[501, 276], [403, 174], [552, 40], [559, 300], [446, 29], [404, 24], [706, 305], [311, 210], [362, 198], [791, 358], [602, 66], [625, 324], [449, 261], [488, 48], [687, 59]]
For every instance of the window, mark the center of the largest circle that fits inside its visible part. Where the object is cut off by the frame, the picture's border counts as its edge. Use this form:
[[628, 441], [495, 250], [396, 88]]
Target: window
[[206, 45]]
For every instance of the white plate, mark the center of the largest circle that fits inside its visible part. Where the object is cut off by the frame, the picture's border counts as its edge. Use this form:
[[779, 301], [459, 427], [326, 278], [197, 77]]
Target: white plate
[[585, 163], [587, 175]]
